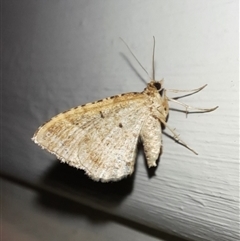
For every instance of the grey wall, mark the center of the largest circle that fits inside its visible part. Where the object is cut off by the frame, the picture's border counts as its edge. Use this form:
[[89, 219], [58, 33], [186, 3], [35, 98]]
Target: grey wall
[[60, 54]]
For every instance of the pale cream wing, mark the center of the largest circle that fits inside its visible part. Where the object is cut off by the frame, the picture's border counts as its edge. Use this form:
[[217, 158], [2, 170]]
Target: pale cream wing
[[100, 138]]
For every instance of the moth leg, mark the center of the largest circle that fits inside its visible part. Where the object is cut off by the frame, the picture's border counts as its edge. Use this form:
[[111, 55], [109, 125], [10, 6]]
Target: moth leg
[[187, 107], [177, 139], [193, 90]]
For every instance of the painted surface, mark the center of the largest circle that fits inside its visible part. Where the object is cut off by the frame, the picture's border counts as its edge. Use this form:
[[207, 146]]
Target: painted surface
[[58, 55]]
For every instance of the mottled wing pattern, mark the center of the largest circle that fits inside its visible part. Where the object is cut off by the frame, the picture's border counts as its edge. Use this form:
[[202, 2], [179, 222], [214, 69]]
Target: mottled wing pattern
[[100, 138]]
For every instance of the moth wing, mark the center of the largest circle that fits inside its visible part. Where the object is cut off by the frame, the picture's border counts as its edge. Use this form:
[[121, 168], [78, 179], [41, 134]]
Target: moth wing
[[100, 138]]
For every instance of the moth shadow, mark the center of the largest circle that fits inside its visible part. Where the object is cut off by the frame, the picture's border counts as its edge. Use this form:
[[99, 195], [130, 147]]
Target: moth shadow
[[133, 68], [152, 170], [75, 185], [69, 207]]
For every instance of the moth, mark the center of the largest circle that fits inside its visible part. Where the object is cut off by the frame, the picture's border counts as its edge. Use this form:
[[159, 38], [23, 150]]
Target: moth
[[101, 137]]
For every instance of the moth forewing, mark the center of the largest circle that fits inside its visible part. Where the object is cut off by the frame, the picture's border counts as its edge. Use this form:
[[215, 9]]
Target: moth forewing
[[100, 138]]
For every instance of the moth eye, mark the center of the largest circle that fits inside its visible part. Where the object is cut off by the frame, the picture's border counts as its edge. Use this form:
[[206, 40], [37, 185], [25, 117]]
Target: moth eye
[[157, 85]]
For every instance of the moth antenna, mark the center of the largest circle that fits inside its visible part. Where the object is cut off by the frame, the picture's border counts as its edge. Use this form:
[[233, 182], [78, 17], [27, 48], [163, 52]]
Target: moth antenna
[[153, 60], [177, 139], [136, 58], [192, 107], [193, 90]]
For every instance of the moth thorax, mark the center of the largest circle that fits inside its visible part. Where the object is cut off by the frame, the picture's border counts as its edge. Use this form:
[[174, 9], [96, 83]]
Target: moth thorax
[[165, 104]]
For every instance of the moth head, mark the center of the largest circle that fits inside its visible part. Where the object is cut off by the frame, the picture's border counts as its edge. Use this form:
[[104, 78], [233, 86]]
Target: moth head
[[157, 85]]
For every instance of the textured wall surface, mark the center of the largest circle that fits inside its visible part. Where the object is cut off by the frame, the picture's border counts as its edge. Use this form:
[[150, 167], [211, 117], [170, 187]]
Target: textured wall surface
[[60, 54]]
